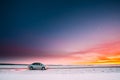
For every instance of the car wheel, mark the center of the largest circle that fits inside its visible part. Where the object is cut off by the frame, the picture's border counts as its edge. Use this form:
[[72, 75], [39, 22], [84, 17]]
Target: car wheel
[[43, 68], [31, 68]]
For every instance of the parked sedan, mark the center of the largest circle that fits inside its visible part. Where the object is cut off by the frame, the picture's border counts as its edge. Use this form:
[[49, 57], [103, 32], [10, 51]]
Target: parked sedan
[[37, 66]]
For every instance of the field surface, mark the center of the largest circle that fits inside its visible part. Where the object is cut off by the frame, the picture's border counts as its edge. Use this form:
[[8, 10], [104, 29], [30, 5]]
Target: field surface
[[20, 72]]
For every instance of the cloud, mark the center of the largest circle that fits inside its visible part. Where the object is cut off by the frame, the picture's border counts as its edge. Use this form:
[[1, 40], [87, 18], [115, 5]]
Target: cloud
[[107, 53], [103, 53]]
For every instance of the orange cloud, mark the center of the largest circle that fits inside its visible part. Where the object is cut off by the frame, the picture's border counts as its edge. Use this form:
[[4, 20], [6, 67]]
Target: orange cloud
[[108, 53]]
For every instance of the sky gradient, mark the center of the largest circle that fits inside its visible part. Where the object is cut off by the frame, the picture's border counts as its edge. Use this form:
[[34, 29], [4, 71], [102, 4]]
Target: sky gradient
[[60, 31]]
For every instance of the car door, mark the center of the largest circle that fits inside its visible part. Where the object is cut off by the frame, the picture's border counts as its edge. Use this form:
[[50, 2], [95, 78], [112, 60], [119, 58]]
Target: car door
[[40, 66], [35, 65]]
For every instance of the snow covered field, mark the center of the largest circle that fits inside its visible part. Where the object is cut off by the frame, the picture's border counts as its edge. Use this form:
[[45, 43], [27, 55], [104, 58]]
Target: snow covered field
[[16, 72]]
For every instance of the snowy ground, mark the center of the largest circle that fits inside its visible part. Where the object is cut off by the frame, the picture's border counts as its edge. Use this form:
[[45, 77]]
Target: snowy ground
[[59, 73]]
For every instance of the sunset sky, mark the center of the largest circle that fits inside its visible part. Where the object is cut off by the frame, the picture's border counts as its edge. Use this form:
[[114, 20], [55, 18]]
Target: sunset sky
[[60, 31]]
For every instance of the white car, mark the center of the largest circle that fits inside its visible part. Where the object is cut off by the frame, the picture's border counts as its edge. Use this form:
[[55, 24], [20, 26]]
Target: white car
[[37, 66]]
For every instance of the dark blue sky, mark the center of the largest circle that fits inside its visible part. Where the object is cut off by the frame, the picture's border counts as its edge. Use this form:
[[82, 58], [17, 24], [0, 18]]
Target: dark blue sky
[[56, 26]]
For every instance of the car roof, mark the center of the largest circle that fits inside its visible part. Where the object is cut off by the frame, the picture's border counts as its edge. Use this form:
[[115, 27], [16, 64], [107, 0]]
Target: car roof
[[36, 63]]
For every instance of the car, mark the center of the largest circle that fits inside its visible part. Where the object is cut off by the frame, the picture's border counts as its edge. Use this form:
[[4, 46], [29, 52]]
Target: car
[[37, 66]]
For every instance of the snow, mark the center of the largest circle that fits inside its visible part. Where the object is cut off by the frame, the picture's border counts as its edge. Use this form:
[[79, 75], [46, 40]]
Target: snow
[[59, 73], [12, 66]]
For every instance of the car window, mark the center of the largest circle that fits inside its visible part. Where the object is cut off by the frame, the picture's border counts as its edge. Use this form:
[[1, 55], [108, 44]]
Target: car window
[[38, 63], [35, 64]]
